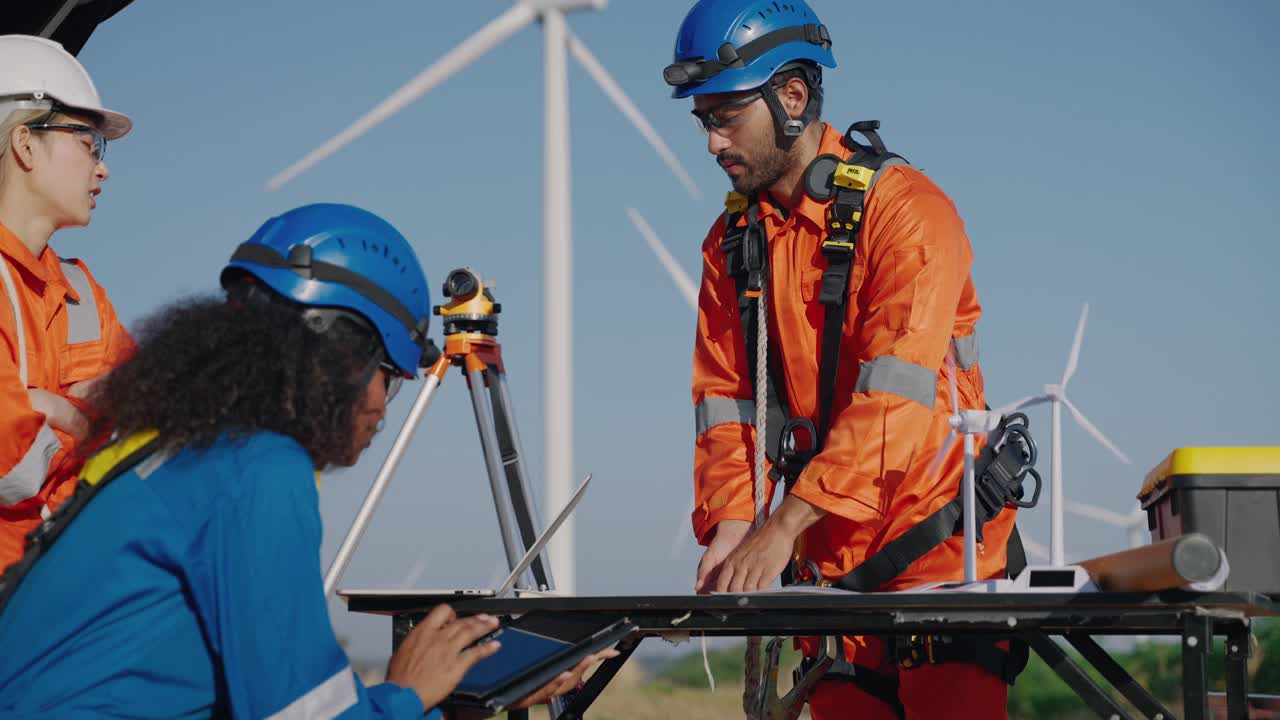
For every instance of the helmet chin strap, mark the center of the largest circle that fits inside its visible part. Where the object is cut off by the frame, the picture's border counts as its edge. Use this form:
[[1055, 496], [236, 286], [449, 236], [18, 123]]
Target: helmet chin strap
[[788, 128]]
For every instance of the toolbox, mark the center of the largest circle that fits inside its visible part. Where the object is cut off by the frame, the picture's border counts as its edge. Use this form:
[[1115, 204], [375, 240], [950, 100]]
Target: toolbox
[[1232, 495]]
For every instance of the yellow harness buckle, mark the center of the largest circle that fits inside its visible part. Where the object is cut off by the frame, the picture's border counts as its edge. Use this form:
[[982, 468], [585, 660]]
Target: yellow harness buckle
[[735, 202], [854, 177]]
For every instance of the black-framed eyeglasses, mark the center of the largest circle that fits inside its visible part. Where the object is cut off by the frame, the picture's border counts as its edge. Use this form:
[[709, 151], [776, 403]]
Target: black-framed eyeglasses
[[99, 140], [713, 118], [393, 378]]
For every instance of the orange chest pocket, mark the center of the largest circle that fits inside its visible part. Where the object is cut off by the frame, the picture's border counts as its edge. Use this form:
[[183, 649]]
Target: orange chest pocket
[[811, 281], [83, 352], [82, 361]]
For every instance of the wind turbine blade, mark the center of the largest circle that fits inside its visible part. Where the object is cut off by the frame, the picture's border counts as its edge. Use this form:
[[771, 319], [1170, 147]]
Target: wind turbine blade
[[1028, 401], [628, 108], [682, 280], [1102, 515], [484, 40], [1074, 358], [1094, 431]]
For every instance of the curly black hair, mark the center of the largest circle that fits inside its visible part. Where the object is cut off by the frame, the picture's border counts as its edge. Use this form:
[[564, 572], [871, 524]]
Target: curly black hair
[[213, 367]]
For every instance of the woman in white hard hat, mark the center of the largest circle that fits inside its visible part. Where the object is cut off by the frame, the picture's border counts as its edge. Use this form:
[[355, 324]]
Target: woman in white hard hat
[[58, 331]]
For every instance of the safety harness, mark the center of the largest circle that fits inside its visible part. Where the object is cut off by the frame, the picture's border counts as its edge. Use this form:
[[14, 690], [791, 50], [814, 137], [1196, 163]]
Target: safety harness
[[792, 441], [98, 472]]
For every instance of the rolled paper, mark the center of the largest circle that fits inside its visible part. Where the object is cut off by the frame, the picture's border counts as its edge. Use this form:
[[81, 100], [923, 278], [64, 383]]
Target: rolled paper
[[1191, 561]]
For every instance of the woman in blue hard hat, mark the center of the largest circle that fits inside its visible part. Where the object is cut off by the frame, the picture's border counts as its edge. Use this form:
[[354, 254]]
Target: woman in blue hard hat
[[188, 584], [58, 330]]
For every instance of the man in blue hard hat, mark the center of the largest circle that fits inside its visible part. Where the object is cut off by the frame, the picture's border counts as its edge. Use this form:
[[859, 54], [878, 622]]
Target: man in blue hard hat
[[857, 267], [185, 577]]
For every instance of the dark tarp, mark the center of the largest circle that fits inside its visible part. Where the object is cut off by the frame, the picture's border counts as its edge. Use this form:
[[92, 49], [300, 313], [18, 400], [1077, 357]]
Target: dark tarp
[[70, 22]]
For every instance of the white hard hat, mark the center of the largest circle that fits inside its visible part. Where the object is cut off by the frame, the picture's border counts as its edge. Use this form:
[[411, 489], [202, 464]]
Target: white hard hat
[[38, 74]]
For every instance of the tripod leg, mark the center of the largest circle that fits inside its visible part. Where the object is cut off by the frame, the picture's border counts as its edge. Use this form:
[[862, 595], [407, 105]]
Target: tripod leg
[[493, 464], [513, 464], [345, 551]]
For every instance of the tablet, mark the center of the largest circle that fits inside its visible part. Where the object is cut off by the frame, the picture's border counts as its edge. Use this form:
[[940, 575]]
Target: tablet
[[536, 647]]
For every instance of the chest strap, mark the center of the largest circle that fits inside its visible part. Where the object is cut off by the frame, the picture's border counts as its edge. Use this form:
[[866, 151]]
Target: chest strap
[[112, 462], [844, 183]]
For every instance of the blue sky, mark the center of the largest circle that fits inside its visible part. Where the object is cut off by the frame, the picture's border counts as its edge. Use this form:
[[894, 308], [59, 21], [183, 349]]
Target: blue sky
[[1121, 154]]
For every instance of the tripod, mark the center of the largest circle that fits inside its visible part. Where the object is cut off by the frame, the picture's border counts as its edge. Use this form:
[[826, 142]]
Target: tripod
[[470, 333]]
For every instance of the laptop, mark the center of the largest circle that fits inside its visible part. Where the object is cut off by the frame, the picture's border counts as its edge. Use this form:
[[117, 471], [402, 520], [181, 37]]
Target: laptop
[[508, 586]]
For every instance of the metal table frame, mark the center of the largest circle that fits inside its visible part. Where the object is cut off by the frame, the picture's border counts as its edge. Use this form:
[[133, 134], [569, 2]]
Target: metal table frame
[[1078, 618]]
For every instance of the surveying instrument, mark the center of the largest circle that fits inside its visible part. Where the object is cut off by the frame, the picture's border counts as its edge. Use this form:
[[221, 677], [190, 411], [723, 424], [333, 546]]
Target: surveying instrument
[[470, 343]]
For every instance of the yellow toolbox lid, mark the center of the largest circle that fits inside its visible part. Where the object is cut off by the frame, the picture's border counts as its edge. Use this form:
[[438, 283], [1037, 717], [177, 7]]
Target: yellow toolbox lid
[[1214, 461]]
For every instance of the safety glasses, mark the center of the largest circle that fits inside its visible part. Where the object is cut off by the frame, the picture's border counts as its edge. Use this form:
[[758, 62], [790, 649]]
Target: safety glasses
[[392, 376], [394, 379], [714, 118], [99, 140]]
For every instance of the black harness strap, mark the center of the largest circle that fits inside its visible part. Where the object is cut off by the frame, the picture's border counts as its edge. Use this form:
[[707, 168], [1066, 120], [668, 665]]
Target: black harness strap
[[844, 220], [876, 684], [40, 539], [913, 651], [746, 252], [999, 472], [300, 262]]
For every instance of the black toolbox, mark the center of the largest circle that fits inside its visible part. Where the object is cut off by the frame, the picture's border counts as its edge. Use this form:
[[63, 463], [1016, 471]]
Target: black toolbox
[[1232, 495]]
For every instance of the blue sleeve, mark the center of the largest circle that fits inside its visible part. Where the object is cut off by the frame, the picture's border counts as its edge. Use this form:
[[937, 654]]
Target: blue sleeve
[[256, 581]]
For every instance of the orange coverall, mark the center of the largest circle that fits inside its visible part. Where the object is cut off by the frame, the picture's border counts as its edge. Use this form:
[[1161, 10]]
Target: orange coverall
[[71, 333], [911, 299]]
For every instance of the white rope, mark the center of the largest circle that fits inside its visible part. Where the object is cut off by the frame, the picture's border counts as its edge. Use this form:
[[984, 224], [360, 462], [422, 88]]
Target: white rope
[[752, 680], [706, 664], [762, 405]]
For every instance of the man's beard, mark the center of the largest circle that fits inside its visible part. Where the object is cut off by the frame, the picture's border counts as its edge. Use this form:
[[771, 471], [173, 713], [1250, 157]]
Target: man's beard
[[762, 172]]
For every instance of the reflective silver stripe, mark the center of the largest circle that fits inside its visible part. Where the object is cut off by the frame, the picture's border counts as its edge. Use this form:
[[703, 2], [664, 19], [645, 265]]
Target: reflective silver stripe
[[25, 479], [82, 316], [151, 464], [966, 350], [16, 304], [885, 166], [713, 411], [326, 700], [899, 377]]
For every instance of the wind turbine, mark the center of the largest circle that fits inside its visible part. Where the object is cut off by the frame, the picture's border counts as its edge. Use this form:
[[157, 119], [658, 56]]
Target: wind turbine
[[1134, 523], [559, 42], [1056, 396]]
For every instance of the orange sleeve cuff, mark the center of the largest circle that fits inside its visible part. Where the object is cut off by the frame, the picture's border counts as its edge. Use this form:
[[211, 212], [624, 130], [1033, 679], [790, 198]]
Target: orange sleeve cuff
[[705, 520]]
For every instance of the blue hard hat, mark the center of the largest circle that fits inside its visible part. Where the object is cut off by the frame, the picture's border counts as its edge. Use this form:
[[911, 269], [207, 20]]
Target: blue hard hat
[[735, 45], [339, 256]]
